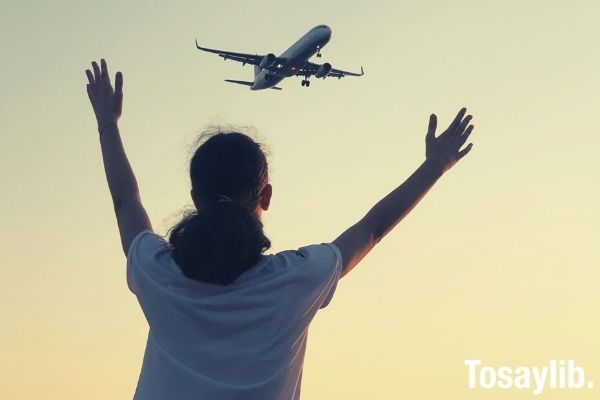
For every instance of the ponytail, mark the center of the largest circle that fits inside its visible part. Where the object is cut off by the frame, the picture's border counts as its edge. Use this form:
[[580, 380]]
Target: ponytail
[[218, 243]]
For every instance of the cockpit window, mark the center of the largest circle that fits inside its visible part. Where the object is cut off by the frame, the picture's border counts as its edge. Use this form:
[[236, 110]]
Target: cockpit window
[[322, 27]]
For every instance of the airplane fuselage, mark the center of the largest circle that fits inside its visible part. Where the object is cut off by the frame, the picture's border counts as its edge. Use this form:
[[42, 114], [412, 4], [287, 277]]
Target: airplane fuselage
[[296, 56]]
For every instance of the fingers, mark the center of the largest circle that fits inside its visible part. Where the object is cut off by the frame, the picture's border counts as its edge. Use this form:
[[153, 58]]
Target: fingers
[[464, 151], [90, 92], [458, 118], [432, 126], [90, 76], [463, 124], [119, 91], [119, 83], [97, 76], [463, 138], [104, 71]]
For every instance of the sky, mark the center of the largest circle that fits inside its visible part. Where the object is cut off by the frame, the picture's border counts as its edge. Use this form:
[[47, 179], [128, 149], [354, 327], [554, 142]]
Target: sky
[[498, 262]]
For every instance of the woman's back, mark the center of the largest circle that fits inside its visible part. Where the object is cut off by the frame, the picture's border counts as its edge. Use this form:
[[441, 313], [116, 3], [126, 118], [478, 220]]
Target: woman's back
[[240, 341]]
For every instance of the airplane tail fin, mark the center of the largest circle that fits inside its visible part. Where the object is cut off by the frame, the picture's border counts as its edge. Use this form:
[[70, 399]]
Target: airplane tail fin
[[256, 70]]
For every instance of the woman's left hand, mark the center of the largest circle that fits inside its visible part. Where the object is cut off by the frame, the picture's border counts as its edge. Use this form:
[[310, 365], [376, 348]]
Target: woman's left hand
[[107, 103]]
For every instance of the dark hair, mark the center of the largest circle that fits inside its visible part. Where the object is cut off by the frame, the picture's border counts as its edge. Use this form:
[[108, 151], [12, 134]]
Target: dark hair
[[223, 239]]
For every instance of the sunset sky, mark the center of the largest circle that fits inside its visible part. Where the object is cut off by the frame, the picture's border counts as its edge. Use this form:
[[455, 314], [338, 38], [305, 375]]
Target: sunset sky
[[499, 262]]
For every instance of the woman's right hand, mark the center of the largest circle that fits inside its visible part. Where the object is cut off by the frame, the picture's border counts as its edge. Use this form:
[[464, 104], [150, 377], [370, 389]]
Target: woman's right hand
[[444, 151]]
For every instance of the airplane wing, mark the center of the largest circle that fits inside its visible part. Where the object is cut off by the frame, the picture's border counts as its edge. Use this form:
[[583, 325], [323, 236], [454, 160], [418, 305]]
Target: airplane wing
[[244, 58], [338, 73], [311, 68]]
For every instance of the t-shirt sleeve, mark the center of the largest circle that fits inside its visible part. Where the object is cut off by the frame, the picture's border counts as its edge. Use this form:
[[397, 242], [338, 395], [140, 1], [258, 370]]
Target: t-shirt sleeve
[[324, 265], [143, 256]]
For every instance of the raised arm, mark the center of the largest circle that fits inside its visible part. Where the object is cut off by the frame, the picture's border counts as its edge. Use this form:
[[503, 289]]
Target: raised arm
[[441, 153], [107, 104]]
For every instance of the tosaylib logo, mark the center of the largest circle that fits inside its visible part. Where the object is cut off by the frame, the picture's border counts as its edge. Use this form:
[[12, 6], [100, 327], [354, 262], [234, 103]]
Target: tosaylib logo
[[558, 374]]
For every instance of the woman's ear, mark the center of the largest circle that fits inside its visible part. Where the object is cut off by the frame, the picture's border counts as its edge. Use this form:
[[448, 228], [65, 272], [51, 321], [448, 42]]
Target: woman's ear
[[265, 198]]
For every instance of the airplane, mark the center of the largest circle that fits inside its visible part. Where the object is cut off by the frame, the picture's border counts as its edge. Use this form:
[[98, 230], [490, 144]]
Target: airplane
[[269, 70]]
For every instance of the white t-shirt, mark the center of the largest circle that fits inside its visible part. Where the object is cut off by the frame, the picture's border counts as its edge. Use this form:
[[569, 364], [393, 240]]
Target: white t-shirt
[[243, 341]]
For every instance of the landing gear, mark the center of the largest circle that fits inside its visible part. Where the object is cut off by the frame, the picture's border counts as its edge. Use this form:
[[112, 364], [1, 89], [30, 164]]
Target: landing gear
[[319, 51], [305, 82]]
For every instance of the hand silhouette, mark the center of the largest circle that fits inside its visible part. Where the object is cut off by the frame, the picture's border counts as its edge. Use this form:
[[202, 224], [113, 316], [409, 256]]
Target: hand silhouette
[[444, 150], [107, 103]]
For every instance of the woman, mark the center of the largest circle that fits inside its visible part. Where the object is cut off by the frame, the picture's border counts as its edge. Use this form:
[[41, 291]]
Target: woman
[[227, 321]]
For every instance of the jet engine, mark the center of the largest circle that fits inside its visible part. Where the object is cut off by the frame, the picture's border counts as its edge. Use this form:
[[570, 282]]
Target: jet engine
[[323, 70], [267, 61]]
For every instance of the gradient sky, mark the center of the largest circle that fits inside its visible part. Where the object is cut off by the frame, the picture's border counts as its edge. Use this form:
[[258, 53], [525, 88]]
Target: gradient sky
[[499, 262]]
